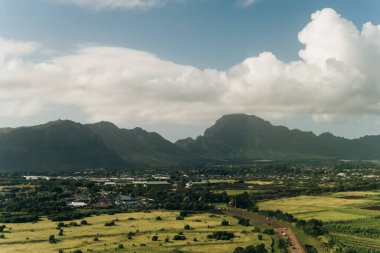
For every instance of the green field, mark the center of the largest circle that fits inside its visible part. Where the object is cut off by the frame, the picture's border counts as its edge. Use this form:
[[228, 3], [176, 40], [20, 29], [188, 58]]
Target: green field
[[33, 237], [329, 207], [343, 212]]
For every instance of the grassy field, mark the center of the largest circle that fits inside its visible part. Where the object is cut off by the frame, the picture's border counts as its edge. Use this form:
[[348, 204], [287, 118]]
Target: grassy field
[[346, 219], [33, 237], [339, 206]]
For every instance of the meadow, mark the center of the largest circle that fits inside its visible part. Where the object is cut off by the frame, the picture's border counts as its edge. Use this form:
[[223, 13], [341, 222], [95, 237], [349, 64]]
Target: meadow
[[347, 216], [134, 231], [332, 207]]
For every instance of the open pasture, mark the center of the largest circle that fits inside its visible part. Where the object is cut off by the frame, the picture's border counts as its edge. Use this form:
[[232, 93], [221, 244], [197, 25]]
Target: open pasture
[[327, 207], [33, 237]]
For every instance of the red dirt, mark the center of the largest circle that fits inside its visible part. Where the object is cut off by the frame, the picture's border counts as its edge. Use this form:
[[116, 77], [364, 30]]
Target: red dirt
[[276, 225]]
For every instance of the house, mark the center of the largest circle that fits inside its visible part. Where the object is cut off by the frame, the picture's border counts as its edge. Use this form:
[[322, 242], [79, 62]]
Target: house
[[125, 198], [195, 184], [102, 205], [77, 204]]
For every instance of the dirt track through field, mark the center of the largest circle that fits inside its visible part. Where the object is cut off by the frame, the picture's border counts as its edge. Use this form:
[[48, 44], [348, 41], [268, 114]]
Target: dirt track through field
[[281, 229]]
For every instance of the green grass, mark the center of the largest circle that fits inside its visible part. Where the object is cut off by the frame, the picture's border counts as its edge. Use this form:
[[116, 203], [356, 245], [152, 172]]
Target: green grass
[[343, 209], [327, 208], [144, 225]]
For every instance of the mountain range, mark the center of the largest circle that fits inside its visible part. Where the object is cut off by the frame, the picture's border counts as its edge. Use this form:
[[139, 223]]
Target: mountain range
[[64, 145]]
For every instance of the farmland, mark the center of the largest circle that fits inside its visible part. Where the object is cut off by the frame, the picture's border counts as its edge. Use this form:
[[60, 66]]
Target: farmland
[[339, 206], [139, 227], [352, 218]]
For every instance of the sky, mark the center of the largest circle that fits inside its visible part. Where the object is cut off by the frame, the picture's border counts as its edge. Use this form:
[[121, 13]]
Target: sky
[[176, 66]]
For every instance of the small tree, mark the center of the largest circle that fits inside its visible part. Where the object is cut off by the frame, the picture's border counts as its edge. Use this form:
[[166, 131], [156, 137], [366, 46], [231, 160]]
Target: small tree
[[260, 237], [60, 232], [120, 246], [154, 238], [52, 239], [187, 227], [83, 222], [225, 223], [158, 218]]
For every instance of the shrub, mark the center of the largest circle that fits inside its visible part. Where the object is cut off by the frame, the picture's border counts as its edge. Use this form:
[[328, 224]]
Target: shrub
[[154, 238], [120, 246], [77, 251], [96, 239], [60, 232], [225, 223], [187, 227], [52, 239], [268, 231], [260, 237], [179, 218], [179, 237], [221, 235], [256, 230], [158, 218], [73, 224], [239, 250], [244, 222], [83, 222], [60, 225], [2, 227], [109, 224], [184, 213]]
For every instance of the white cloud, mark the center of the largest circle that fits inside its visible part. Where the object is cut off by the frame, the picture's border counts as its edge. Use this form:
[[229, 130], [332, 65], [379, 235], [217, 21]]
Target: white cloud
[[118, 4], [13, 48], [133, 4], [337, 74], [246, 3]]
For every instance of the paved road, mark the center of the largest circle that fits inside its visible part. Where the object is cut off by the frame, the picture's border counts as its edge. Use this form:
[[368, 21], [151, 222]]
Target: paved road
[[282, 229]]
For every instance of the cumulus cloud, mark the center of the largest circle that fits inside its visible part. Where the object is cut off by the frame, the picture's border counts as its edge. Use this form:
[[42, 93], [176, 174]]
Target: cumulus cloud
[[336, 74]]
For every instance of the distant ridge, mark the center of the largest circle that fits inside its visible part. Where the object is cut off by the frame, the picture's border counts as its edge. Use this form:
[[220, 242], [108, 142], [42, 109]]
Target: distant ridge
[[239, 137], [67, 145]]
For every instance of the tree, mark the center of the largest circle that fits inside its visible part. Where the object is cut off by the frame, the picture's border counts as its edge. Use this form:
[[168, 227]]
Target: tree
[[225, 223], [52, 239]]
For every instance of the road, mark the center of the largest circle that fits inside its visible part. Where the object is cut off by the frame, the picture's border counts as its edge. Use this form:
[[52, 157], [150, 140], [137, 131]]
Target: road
[[282, 229]]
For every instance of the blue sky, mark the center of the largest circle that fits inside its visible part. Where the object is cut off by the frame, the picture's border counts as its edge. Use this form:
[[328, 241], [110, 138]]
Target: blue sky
[[201, 34]]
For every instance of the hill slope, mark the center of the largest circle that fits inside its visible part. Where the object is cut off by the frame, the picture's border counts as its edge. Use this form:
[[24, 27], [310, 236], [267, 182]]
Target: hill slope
[[63, 145], [247, 137], [60, 144]]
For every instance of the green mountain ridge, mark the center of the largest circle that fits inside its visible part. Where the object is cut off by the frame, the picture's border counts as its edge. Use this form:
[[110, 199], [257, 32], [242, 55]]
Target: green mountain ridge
[[247, 137], [67, 145]]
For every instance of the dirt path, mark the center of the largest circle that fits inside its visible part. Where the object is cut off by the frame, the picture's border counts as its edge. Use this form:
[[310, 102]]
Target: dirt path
[[282, 229]]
